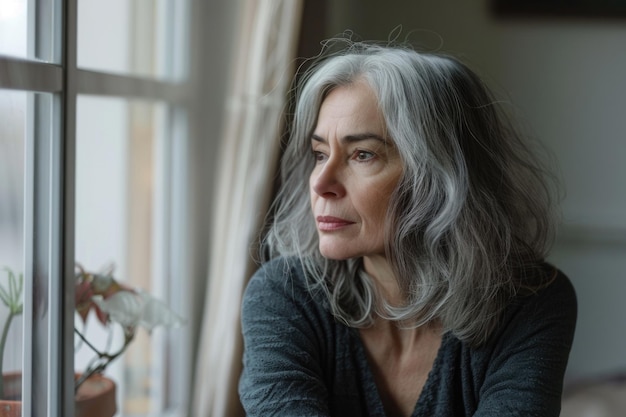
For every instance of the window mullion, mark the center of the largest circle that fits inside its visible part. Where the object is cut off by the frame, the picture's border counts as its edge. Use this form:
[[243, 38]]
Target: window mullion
[[29, 329], [66, 165], [40, 31], [104, 84], [21, 74], [40, 302]]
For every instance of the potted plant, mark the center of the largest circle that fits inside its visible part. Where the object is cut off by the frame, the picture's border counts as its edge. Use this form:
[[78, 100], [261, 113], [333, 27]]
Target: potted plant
[[10, 384], [113, 304]]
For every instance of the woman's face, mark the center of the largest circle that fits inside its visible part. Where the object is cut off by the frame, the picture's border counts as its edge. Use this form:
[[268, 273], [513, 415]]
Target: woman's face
[[357, 169]]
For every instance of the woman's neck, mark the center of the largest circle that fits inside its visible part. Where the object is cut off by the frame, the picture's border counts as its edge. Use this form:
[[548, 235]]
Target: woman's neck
[[384, 277]]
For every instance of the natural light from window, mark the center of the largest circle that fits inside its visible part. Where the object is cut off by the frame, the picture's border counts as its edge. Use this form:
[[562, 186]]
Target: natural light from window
[[13, 15]]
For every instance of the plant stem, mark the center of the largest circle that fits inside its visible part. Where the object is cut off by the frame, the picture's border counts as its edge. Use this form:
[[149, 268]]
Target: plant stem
[[84, 339], [5, 333], [102, 359]]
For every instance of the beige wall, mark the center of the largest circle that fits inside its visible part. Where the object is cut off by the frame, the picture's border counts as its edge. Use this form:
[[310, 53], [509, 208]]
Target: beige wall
[[567, 77]]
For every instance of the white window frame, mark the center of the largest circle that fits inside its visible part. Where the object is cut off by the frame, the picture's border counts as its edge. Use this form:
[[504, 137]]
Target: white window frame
[[50, 196]]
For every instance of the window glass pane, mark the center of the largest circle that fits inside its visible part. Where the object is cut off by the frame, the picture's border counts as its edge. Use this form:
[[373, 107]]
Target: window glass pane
[[27, 29], [13, 28], [13, 118], [120, 228], [128, 37]]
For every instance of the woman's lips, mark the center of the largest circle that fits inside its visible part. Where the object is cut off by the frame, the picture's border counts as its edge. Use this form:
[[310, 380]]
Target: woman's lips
[[330, 223]]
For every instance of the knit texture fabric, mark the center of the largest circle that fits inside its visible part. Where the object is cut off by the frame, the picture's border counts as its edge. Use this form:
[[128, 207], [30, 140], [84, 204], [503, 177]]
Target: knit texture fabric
[[299, 361]]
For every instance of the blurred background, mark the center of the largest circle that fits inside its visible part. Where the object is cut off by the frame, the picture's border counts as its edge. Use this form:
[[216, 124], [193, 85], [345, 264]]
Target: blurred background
[[145, 134]]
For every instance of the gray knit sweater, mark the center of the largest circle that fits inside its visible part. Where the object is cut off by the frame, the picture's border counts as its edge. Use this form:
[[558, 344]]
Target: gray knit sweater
[[299, 361]]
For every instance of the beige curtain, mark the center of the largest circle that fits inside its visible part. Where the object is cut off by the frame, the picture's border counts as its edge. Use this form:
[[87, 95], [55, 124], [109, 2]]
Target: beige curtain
[[262, 75]]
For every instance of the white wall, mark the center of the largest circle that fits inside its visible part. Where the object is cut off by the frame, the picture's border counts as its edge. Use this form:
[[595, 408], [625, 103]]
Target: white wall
[[568, 79]]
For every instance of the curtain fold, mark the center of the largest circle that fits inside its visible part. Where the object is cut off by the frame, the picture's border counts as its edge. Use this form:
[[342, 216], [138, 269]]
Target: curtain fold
[[263, 70]]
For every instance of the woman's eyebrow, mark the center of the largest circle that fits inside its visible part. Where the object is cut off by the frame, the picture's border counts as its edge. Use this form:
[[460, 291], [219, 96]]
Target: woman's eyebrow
[[353, 138]]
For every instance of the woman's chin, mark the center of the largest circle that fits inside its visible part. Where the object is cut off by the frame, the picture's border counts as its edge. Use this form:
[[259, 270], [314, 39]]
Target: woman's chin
[[337, 254]]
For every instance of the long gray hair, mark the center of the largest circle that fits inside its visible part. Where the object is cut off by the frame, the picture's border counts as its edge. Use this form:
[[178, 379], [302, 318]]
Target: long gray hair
[[471, 219]]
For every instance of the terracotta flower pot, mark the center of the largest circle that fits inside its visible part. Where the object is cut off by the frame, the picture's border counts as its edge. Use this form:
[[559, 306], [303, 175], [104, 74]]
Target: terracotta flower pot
[[11, 404], [95, 397]]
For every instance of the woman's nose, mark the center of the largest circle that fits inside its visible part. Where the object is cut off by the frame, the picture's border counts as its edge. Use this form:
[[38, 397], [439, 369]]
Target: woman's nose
[[326, 180]]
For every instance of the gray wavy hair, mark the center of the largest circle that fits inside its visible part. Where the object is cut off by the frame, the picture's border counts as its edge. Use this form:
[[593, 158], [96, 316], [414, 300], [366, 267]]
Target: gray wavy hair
[[472, 218]]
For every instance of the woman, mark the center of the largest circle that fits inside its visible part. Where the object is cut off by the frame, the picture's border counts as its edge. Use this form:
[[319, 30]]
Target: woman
[[409, 279]]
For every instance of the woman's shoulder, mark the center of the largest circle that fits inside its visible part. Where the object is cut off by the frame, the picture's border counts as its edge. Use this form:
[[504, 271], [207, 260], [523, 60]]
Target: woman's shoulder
[[278, 272], [553, 291], [280, 280], [279, 295], [549, 305]]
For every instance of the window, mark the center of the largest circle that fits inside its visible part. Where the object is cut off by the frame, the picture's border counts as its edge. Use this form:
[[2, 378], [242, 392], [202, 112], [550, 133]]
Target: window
[[94, 115]]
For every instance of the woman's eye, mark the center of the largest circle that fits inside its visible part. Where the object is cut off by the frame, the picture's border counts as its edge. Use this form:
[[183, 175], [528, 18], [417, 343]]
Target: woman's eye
[[363, 155], [319, 156]]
